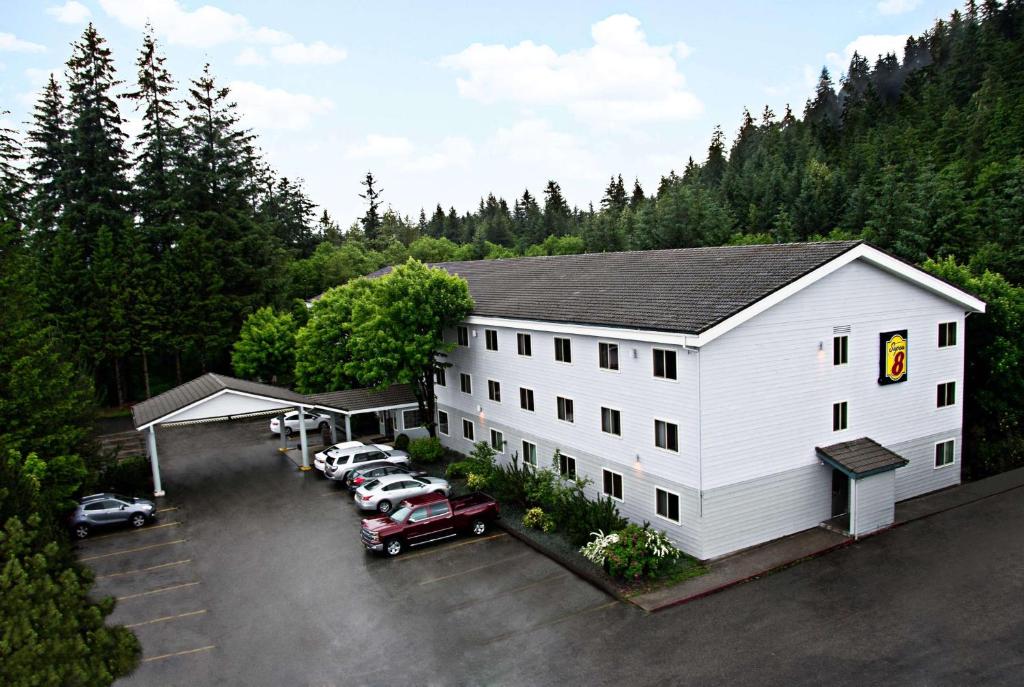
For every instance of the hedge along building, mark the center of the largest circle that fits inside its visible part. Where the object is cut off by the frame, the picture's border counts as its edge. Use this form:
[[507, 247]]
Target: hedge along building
[[727, 395]]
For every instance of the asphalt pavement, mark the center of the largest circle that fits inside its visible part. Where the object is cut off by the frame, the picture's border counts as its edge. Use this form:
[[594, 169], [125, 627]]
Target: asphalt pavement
[[277, 590]]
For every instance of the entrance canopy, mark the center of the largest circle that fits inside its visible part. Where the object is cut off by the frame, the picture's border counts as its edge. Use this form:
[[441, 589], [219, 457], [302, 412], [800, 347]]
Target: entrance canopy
[[860, 458], [213, 397]]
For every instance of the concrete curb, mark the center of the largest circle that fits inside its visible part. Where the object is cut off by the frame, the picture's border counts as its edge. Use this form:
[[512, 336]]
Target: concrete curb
[[572, 566]]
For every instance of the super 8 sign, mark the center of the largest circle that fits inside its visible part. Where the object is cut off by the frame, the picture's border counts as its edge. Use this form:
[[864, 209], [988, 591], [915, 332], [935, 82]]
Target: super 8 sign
[[892, 357]]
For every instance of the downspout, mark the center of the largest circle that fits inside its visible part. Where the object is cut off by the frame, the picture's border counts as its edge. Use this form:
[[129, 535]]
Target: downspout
[[700, 433]]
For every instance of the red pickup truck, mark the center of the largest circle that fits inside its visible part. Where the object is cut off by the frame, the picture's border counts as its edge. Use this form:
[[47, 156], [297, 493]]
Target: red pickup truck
[[429, 518]]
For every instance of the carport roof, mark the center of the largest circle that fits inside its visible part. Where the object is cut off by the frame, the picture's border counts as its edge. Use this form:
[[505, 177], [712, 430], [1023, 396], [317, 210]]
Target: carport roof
[[861, 457], [204, 387], [363, 400]]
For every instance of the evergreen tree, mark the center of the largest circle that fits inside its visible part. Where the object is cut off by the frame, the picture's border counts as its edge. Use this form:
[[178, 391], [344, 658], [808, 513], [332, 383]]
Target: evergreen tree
[[371, 220], [557, 216], [714, 168], [48, 165], [614, 199], [638, 195]]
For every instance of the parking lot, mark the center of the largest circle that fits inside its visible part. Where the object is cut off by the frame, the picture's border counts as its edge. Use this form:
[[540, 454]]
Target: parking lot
[[254, 575]]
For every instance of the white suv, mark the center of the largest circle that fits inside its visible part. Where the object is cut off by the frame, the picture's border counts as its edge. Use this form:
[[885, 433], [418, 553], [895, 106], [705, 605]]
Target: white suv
[[320, 459], [291, 423], [341, 462]]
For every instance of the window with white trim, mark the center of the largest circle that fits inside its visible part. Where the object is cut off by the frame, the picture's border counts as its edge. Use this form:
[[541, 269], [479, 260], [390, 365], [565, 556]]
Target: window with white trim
[[440, 379], [664, 364], [529, 453], [612, 484], [567, 466], [497, 441], [840, 350], [666, 504], [411, 419], [442, 422], [839, 416], [494, 390], [526, 399], [611, 421], [564, 409], [524, 344], [945, 394], [563, 350], [465, 383], [947, 334], [944, 453], [608, 356], [666, 435], [462, 335], [491, 339], [468, 431]]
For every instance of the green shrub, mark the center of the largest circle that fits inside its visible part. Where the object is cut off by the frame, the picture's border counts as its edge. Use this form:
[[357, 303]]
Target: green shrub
[[476, 481], [458, 469], [537, 519], [131, 476], [632, 553], [402, 442], [577, 516], [426, 450]]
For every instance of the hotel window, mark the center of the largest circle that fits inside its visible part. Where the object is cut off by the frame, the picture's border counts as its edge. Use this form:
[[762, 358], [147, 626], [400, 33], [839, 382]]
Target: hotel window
[[439, 377], [611, 421], [463, 336], [667, 504], [567, 466], [497, 441], [565, 409], [529, 453], [666, 435], [947, 334], [494, 390], [839, 416], [944, 453], [442, 422], [524, 344], [608, 356], [526, 399], [612, 484], [465, 383], [563, 350], [945, 394], [491, 339], [840, 350], [467, 430], [664, 364]]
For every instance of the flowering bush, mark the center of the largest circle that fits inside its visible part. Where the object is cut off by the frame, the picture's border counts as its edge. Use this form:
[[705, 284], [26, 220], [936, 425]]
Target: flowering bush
[[631, 553], [476, 481], [539, 520]]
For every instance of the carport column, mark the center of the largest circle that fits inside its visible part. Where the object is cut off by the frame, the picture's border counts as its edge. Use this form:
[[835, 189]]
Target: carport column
[[348, 427], [334, 427], [154, 461], [302, 438], [284, 435]]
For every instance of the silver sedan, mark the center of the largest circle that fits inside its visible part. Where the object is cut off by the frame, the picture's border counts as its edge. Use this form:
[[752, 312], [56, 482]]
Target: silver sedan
[[384, 493]]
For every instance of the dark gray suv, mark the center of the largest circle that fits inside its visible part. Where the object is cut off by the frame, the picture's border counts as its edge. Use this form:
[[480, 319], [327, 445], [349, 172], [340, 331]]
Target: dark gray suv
[[101, 510]]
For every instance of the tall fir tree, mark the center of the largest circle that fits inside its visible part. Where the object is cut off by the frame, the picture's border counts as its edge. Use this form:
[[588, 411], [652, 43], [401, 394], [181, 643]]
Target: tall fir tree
[[371, 221]]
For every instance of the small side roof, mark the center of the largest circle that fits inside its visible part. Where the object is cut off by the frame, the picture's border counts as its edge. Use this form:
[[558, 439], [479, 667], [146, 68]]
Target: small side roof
[[860, 458], [203, 387], [362, 400]]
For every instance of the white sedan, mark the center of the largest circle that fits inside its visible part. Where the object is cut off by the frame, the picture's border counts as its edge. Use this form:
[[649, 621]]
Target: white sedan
[[291, 422], [384, 493]]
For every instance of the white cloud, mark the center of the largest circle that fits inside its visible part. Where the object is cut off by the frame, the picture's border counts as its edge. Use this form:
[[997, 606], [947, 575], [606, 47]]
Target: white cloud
[[889, 7], [378, 146], [534, 145], [621, 78], [405, 156], [203, 27], [250, 57], [276, 108], [11, 43], [314, 53], [868, 46], [71, 12], [453, 151]]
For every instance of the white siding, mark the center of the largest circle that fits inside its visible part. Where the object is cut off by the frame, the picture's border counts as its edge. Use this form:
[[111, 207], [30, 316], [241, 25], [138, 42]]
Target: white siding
[[920, 475], [874, 504]]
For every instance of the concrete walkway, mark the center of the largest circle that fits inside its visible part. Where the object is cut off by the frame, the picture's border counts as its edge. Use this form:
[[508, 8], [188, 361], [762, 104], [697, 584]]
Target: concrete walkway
[[781, 553]]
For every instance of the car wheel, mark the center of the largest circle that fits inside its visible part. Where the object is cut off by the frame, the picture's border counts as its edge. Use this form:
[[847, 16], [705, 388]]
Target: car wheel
[[288, 431], [478, 527], [393, 547], [322, 426], [81, 531], [384, 506], [138, 520]]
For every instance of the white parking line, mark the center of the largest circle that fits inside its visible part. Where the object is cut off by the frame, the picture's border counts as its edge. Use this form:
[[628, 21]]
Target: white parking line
[[135, 550], [166, 510], [449, 547], [158, 591], [503, 561], [142, 570], [139, 530], [167, 617], [180, 653]]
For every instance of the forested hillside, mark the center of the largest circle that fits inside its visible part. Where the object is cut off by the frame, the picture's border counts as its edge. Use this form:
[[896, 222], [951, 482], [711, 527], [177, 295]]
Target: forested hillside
[[148, 255]]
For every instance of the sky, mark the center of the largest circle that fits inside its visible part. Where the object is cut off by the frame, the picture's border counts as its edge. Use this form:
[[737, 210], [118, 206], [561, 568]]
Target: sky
[[446, 102]]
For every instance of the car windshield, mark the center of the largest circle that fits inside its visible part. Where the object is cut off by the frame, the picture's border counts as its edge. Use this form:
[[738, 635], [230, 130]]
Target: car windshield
[[372, 484], [400, 514]]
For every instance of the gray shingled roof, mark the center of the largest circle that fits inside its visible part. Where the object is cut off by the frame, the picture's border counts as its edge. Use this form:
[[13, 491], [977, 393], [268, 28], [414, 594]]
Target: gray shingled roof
[[686, 290], [354, 400], [861, 457], [204, 387]]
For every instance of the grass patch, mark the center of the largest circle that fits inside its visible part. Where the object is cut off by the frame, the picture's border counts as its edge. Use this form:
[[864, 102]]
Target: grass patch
[[685, 568]]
